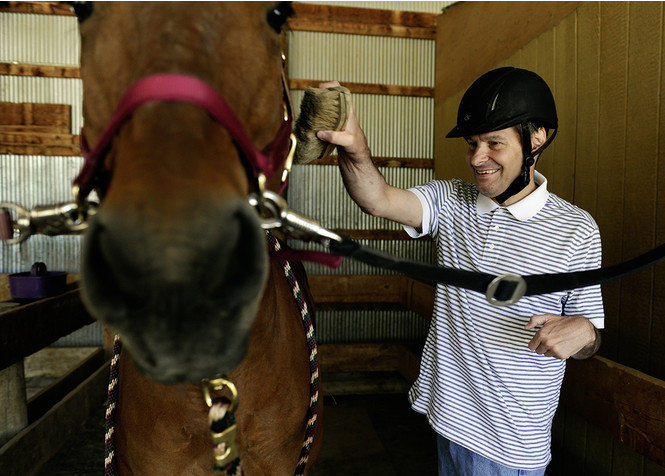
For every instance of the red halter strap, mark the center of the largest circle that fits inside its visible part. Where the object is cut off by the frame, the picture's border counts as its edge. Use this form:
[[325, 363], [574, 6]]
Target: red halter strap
[[184, 88]]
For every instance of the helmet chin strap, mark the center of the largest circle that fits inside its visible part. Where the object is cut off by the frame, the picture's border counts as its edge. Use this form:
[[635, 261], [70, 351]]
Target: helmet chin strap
[[523, 179]]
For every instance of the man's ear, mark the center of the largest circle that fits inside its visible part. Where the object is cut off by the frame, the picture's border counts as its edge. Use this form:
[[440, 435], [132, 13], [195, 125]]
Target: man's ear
[[538, 138]]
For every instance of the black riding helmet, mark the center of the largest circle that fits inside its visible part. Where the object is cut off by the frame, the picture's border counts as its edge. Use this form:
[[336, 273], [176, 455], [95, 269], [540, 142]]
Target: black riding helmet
[[503, 98]]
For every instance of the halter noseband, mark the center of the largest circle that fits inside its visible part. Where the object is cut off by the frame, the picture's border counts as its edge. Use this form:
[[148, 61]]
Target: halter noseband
[[185, 88]]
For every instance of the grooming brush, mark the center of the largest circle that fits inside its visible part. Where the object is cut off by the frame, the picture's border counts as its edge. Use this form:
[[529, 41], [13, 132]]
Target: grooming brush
[[320, 110]]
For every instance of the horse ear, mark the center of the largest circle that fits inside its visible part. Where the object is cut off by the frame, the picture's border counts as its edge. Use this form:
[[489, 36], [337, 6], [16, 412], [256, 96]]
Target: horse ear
[[320, 110]]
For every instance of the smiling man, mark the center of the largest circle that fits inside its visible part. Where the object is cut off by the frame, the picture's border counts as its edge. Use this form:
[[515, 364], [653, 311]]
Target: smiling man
[[490, 376]]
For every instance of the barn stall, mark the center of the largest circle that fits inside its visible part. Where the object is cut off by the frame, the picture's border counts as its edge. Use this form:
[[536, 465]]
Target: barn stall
[[407, 65]]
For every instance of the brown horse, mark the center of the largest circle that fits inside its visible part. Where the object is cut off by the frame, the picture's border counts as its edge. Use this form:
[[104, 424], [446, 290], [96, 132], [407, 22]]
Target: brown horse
[[175, 259]]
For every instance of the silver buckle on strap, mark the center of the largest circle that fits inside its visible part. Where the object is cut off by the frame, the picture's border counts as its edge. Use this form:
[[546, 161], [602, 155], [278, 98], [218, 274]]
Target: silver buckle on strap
[[498, 285]]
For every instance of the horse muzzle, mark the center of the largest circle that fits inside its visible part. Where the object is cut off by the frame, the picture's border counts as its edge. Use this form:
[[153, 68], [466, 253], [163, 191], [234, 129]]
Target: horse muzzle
[[182, 293]]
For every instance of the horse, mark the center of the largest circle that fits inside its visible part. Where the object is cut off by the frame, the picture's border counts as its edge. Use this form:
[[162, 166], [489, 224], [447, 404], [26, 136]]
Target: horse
[[175, 259]]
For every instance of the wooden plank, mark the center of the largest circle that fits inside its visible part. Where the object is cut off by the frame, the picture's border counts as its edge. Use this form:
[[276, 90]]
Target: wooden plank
[[36, 138], [44, 8], [377, 235], [657, 348], [13, 407], [640, 175], [362, 21], [37, 443], [622, 401], [358, 357], [35, 114], [367, 88], [588, 99], [39, 143], [40, 70], [318, 12], [358, 288], [611, 155], [30, 327], [46, 398], [491, 31], [420, 298], [404, 163], [565, 90]]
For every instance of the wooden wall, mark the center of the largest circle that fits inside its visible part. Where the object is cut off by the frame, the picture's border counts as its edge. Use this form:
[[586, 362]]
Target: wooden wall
[[604, 63]]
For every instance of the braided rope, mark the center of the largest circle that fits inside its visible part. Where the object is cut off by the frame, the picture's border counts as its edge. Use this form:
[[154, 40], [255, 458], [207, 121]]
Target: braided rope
[[111, 400], [312, 412]]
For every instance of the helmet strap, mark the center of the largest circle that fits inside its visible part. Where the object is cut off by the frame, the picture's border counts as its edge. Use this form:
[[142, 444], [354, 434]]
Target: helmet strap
[[523, 179]]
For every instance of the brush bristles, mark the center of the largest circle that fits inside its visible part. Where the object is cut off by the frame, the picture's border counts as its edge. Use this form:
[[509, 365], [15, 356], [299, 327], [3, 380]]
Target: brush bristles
[[320, 110]]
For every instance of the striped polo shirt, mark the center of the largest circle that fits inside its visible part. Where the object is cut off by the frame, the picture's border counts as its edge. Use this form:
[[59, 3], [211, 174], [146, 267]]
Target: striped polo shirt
[[479, 384]]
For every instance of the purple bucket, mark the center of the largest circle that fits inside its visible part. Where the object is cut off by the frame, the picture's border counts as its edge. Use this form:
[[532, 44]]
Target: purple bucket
[[37, 283]]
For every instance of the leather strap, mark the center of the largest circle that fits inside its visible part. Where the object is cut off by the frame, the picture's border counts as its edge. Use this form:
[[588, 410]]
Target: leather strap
[[500, 290]]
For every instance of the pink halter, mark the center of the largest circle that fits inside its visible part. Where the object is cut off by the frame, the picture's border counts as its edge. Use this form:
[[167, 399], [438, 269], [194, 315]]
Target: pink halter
[[178, 87]]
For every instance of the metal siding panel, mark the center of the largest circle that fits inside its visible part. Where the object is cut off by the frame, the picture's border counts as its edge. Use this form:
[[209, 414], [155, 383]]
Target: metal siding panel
[[39, 39], [369, 326], [31, 180], [395, 126], [361, 59]]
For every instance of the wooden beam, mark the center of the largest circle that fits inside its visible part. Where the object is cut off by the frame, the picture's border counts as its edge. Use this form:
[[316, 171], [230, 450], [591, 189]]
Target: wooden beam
[[13, 408], [492, 31], [36, 444], [359, 289], [362, 21], [358, 357], [376, 235], [404, 163], [26, 329], [14, 115], [625, 403], [369, 88], [39, 143], [47, 397], [42, 71], [44, 8]]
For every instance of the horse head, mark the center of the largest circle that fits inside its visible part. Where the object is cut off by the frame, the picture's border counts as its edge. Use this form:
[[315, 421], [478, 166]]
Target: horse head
[[175, 259]]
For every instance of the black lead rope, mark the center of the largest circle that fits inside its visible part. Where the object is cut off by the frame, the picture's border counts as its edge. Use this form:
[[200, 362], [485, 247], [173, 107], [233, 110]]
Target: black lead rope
[[501, 290]]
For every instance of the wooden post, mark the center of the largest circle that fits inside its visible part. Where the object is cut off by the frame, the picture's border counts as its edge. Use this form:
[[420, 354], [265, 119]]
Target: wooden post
[[13, 404]]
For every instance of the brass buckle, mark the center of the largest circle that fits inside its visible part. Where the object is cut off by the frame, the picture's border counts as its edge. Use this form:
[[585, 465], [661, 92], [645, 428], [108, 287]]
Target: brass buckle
[[228, 435]]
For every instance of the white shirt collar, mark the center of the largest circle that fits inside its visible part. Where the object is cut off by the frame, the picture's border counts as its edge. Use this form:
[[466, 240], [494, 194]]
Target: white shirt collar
[[525, 208]]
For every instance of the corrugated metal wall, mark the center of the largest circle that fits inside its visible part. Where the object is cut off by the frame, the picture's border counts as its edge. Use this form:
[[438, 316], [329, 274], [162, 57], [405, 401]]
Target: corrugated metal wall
[[399, 127], [35, 180], [395, 126]]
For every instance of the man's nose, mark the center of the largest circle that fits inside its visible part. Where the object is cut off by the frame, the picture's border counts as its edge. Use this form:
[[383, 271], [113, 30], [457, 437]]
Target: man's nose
[[478, 155]]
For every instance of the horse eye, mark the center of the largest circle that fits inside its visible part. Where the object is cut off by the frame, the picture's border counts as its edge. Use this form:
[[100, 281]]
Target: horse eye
[[82, 10], [278, 15]]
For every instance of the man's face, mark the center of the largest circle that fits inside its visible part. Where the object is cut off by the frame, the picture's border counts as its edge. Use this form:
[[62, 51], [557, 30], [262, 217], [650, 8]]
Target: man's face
[[495, 159]]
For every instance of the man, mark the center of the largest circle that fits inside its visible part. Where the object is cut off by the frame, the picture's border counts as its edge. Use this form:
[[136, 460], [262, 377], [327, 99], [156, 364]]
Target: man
[[490, 376]]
